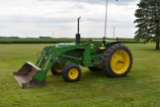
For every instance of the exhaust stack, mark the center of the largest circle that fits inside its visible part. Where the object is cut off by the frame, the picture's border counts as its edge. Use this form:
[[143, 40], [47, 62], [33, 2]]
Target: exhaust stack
[[78, 35]]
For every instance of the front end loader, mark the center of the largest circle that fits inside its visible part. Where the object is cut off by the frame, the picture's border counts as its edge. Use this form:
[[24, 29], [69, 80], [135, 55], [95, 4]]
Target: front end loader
[[64, 59]]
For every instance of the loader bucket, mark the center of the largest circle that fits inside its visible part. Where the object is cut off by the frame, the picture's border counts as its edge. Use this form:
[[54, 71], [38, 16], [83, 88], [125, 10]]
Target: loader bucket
[[24, 75]]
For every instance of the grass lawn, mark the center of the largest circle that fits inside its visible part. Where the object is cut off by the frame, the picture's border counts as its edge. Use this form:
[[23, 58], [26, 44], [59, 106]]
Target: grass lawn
[[140, 88]]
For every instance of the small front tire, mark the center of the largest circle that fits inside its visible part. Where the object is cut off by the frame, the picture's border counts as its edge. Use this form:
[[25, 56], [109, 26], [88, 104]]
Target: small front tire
[[71, 72], [56, 68]]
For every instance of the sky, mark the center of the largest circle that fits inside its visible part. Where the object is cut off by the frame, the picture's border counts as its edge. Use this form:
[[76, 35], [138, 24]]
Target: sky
[[58, 18]]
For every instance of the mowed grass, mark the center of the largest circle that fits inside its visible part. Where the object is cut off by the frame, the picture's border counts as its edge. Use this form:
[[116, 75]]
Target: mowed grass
[[140, 88]]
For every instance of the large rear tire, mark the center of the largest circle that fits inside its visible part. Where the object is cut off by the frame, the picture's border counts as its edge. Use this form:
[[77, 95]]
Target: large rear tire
[[117, 60], [71, 72], [56, 68]]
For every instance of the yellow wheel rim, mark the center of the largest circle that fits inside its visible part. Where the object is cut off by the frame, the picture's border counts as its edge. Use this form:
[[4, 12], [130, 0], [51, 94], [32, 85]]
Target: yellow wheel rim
[[73, 73], [120, 62]]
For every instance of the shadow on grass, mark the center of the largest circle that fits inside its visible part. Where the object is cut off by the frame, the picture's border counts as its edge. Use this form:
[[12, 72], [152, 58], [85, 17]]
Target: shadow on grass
[[89, 79]]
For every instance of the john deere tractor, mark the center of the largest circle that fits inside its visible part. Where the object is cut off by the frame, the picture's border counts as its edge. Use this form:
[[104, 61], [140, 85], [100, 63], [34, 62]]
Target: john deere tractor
[[64, 59]]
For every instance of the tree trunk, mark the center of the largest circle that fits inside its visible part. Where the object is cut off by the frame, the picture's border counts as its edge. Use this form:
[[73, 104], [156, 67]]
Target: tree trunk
[[157, 44]]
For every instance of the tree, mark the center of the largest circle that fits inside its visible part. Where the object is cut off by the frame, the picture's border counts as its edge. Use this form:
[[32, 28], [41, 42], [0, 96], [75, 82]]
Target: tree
[[148, 21]]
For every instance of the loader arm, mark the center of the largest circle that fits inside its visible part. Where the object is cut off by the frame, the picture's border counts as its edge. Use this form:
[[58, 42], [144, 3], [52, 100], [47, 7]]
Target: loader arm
[[52, 53]]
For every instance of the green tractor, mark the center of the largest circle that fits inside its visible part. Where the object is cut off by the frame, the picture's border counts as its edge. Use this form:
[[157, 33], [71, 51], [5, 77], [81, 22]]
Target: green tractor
[[64, 59]]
